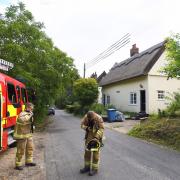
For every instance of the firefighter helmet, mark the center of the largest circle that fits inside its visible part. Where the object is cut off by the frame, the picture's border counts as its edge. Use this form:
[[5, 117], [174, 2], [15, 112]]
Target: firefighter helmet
[[93, 144]]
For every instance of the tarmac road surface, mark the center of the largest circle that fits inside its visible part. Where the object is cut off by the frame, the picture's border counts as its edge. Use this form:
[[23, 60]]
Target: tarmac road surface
[[122, 157]]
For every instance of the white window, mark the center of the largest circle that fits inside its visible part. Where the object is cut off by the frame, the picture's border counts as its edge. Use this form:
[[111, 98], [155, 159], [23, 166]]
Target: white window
[[108, 99], [160, 95], [133, 98]]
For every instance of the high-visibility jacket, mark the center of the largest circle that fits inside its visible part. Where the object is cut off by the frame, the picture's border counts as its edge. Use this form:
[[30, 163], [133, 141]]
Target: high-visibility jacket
[[96, 131], [23, 126]]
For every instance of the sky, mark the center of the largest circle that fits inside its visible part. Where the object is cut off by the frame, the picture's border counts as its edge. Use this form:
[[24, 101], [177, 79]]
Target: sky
[[85, 28]]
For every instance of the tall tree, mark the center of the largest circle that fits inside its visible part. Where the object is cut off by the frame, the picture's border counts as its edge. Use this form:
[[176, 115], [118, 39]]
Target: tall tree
[[45, 68]]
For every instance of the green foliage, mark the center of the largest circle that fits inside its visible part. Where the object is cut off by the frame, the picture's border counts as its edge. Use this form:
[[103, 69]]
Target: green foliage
[[174, 108], [85, 91], [173, 55], [110, 106], [46, 69], [98, 108], [74, 108], [77, 109], [162, 131]]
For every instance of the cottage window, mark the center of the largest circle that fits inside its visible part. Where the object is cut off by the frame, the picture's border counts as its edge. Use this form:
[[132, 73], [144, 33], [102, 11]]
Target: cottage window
[[133, 98], [161, 95], [108, 99], [104, 99]]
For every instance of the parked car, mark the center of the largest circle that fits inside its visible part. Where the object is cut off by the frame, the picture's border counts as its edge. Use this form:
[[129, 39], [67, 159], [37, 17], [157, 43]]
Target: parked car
[[51, 110]]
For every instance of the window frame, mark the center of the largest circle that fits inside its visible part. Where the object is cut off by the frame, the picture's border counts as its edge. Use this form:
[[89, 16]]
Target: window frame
[[24, 95], [8, 93], [133, 98], [108, 99], [18, 91], [160, 95]]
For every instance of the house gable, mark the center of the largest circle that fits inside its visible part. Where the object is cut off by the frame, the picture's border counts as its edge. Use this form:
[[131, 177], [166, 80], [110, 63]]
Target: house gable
[[158, 66]]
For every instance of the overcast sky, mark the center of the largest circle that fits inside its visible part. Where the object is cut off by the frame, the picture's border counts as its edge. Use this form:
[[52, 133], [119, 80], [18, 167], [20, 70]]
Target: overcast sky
[[85, 28]]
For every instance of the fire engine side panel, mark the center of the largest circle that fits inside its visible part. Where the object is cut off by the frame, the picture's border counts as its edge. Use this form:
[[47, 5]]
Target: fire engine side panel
[[1, 128], [13, 109], [4, 133], [4, 103], [9, 110], [5, 140]]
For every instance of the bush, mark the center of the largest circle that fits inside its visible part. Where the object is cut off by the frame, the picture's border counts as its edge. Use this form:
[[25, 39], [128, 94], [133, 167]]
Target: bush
[[174, 107], [77, 109], [85, 91], [73, 108], [110, 106], [98, 108]]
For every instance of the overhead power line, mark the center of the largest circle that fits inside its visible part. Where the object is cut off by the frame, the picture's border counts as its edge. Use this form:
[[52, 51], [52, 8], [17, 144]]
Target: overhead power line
[[114, 47], [109, 53]]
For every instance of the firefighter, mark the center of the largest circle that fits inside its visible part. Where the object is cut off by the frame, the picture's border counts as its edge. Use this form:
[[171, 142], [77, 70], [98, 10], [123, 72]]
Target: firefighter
[[93, 124], [23, 135]]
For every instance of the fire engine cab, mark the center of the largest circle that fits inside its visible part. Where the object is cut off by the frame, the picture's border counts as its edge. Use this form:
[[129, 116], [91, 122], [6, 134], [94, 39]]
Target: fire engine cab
[[13, 96]]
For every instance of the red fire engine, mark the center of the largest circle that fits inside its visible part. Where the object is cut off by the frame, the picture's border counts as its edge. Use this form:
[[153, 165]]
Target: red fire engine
[[13, 96]]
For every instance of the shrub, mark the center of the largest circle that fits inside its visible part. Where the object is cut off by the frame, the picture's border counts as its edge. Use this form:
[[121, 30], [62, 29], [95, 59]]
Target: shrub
[[85, 91], [73, 108], [110, 106], [98, 108], [174, 107]]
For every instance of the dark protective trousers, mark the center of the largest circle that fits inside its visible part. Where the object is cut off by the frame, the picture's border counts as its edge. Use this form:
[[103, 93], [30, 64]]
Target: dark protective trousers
[[87, 159], [24, 146]]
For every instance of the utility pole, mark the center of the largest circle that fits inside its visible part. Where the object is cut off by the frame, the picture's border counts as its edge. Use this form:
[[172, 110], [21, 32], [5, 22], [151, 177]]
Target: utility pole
[[84, 70]]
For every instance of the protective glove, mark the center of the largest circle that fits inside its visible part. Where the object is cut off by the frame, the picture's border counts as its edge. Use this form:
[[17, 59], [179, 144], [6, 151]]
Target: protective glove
[[88, 128]]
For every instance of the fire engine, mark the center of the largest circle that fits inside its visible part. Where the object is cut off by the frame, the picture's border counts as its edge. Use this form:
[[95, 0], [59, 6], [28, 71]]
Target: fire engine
[[13, 96]]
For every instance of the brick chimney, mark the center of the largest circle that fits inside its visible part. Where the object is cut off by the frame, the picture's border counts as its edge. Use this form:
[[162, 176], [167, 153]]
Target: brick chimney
[[134, 50]]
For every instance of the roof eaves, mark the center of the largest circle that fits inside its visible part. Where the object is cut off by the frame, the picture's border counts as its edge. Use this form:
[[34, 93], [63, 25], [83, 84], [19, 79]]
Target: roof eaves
[[117, 81]]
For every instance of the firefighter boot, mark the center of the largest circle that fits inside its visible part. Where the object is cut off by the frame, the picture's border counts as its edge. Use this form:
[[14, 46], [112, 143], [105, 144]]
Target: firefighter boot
[[84, 170], [19, 168], [93, 172], [31, 164]]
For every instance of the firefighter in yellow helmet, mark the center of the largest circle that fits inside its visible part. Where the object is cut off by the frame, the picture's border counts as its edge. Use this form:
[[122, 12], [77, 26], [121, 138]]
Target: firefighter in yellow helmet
[[23, 135], [93, 124]]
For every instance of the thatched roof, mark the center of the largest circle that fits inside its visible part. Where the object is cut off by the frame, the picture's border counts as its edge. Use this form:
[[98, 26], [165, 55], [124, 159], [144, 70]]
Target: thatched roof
[[135, 66]]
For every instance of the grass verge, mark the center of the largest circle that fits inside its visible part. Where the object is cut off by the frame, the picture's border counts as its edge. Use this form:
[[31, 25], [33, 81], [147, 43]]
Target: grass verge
[[160, 131]]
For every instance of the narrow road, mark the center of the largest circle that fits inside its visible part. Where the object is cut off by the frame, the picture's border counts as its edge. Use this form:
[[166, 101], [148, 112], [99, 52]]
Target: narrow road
[[122, 157]]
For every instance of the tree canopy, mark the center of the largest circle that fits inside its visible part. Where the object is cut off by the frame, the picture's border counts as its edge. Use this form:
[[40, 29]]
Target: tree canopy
[[173, 54], [45, 68], [86, 91]]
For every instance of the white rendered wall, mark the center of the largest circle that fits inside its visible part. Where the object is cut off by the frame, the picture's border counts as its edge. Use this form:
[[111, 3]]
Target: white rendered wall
[[158, 81], [120, 94]]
